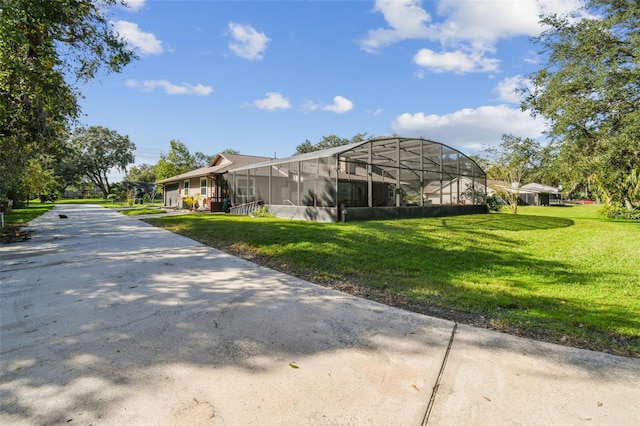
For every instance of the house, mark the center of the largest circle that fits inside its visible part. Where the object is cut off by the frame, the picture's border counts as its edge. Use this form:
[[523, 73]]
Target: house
[[375, 179], [530, 194], [209, 184], [536, 194]]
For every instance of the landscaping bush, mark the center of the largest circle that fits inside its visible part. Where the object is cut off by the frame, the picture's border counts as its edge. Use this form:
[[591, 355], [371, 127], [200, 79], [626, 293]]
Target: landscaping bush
[[262, 211], [619, 212]]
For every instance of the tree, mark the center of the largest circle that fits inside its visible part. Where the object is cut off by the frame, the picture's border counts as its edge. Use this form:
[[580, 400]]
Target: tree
[[231, 151], [98, 150], [201, 160], [179, 160], [142, 173], [589, 91], [329, 141], [514, 162], [38, 178], [47, 48]]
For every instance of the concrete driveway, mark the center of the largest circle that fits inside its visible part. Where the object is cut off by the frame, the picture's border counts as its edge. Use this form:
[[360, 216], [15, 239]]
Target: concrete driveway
[[107, 320]]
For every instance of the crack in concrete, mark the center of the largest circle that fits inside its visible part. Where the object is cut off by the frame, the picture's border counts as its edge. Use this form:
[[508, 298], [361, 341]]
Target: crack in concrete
[[432, 400]]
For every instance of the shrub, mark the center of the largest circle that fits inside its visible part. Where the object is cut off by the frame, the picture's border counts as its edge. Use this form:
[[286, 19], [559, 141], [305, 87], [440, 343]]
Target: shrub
[[495, 203], [262, 211], [619, 212], [191, 201]]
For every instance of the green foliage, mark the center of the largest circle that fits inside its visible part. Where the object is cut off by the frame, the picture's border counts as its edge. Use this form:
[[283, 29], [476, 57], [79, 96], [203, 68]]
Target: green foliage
[[494, 204], [514, 164], [329, 141], [231, 151], [39, 180], [44, 46], [191, 200], [131, 197], [262, 211], [589, 91], [141, 211], [20, 216], [179, 160], [618, 212], [97, 150], [142, 173]]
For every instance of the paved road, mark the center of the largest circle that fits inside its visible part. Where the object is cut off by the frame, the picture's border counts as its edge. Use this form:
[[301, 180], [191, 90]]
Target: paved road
[[106, 320]]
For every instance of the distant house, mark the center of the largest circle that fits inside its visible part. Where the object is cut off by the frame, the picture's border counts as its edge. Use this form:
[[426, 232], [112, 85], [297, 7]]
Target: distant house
[[536, 194], [531, 194], [209, 183], [140, 189]]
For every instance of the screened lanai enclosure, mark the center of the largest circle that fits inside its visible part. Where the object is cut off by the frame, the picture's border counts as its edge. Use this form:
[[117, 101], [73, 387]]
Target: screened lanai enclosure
[[374, 179]]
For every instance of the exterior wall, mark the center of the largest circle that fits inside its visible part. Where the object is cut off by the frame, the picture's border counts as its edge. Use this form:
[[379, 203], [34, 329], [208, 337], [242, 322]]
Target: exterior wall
[[367, 213], [174, 193], [317, 214], [351, 214]]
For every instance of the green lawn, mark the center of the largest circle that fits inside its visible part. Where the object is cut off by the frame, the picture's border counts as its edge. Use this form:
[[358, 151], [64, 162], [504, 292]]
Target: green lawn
[[559, 274], [25, 214], [102, 202], [138, 211]]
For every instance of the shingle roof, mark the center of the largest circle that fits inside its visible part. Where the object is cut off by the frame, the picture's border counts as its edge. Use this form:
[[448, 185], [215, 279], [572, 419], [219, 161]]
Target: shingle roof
[[220, 164]]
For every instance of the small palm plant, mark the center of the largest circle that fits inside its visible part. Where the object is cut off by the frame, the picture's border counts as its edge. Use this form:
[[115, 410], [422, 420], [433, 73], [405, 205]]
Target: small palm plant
[[191, 201]]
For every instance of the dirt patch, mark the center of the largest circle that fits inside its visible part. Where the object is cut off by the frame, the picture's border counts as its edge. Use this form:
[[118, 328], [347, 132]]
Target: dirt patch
[[14, 234]]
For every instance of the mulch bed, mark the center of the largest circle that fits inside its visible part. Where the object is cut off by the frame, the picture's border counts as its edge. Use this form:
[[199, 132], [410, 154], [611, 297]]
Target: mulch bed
[[14, 234]]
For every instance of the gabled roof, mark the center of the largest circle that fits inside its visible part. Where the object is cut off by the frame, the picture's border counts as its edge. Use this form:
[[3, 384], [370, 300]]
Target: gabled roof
[[529, 188], [328, 152], [220, 164], [540, 188]]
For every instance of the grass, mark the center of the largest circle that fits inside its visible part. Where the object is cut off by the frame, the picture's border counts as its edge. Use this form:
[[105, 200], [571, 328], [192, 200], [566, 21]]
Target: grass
[[560, 274], [23, 215], [137, 211], [102, 202]]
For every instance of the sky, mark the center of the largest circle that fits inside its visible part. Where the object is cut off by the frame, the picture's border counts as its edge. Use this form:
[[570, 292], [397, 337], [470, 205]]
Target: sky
[[261, 77]]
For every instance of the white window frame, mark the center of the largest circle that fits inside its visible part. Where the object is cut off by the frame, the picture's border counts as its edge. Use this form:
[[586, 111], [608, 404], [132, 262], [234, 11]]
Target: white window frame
[[185, 187], [203, 188]]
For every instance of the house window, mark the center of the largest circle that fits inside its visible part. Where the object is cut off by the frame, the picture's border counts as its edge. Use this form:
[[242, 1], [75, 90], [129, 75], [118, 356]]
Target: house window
[[203, 187], [185, 186]]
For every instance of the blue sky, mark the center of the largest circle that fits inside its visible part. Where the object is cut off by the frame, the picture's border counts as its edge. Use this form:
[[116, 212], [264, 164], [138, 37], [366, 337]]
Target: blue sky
[[261, 77]]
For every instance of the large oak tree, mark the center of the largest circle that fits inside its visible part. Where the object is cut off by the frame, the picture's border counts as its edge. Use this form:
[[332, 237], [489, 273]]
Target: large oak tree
[[97, 151], [589, 91], [48, 48]]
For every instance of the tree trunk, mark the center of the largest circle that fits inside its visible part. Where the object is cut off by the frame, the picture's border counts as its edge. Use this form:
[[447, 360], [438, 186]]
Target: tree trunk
[[628, 204]]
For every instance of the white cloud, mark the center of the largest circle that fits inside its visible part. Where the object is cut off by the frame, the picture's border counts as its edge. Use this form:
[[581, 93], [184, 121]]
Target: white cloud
[[507, 89], [458, 62], [273, 101], [310, 105], [247, 42], [340, 105], [134, 5], [406, 19], [466, 30], [171, 88], [471, 128], [146, 42]]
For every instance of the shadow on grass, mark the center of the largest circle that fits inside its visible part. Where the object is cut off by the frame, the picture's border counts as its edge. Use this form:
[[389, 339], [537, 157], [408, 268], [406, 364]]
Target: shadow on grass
[[505, 222], [471, 263]]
